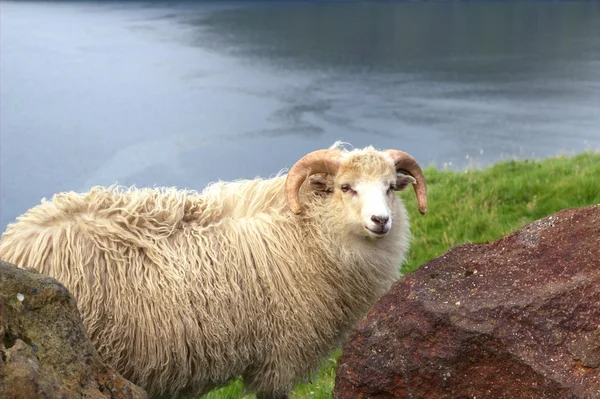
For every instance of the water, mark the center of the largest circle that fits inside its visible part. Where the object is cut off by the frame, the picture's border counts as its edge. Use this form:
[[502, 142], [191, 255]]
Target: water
[[185, 93]]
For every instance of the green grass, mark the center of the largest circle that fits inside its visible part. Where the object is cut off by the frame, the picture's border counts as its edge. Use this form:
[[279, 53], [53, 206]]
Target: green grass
[[475, 206], [484, 205]]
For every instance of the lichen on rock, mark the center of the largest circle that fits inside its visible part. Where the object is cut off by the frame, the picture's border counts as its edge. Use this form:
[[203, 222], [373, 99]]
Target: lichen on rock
[[44, 350]]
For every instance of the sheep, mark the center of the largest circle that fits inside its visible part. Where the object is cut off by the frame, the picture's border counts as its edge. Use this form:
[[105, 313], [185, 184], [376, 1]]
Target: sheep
[[182, 291]]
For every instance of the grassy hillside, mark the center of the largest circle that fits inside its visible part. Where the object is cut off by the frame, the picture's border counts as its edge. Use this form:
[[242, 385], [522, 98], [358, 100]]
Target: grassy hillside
[[476, 206]]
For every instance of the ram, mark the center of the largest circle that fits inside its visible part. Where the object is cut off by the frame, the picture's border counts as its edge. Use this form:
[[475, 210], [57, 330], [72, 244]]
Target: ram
[[182, 291]]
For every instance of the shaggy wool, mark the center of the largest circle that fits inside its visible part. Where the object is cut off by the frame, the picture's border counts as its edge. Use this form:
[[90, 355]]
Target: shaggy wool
[[181, 291]]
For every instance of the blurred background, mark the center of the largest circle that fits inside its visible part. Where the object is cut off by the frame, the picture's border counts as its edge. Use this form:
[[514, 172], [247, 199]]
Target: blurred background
[[183, 93]]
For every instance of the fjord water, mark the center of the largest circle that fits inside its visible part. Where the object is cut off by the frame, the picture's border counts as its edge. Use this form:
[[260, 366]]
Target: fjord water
[[185, 93]]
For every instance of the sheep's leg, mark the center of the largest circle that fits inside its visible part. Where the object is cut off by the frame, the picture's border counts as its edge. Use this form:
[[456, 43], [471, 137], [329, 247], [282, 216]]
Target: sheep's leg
[[272, 396], [267, 382]]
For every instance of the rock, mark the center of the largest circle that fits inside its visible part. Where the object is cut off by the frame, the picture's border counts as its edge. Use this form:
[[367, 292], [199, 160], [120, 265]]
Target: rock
[[515, 318], [44, 350]]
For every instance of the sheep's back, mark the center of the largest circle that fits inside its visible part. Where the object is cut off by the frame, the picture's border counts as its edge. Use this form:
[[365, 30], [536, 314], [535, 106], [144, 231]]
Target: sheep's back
[[113, 249]]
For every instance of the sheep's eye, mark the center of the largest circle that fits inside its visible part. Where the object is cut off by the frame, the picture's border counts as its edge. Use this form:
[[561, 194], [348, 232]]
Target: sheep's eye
[[393, 187], [346, 188]]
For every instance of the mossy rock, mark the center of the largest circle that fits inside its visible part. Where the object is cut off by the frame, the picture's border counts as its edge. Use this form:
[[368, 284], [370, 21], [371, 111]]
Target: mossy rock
[[44, 350]]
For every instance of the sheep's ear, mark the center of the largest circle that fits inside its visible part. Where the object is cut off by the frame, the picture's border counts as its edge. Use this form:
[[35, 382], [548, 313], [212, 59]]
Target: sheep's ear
[[321, 183], [402, 181]]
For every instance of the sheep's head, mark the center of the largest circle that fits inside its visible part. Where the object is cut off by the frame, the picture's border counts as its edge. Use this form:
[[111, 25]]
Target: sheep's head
[[362, 184]]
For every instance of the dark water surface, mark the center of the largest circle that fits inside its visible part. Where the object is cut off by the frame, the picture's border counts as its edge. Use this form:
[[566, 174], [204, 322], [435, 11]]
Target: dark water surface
[[185, 93]]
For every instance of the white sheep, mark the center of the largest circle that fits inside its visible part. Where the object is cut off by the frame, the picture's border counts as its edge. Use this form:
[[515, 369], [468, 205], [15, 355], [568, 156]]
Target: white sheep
[[181, 292]]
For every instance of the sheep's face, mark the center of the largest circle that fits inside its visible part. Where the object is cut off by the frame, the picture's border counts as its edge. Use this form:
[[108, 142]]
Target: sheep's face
[[364, 193]]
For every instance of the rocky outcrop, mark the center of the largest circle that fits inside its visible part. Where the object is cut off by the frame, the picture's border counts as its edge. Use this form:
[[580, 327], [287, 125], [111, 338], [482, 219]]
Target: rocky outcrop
[[516, 318], [44, 350]]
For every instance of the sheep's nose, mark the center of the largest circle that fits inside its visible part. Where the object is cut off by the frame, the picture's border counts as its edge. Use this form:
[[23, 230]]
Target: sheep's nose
[[380, 220]]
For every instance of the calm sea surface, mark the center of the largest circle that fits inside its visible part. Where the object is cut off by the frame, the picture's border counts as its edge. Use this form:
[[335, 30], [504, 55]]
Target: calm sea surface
[[185, 93]]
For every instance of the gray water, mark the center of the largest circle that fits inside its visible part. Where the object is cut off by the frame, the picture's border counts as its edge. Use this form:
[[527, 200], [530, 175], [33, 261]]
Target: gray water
[[185, 93]]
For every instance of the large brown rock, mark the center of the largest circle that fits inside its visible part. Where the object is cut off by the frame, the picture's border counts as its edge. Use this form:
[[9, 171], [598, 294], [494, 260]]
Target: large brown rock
[[44, 351], [516, 318]]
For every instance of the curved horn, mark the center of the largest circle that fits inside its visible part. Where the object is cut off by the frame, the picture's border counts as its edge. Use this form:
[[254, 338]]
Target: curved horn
[[321, 161], [405, 162]]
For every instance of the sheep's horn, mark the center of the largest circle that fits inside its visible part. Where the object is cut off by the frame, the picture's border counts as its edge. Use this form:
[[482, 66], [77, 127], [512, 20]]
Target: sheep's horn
[[406, 163], [321, 161]]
